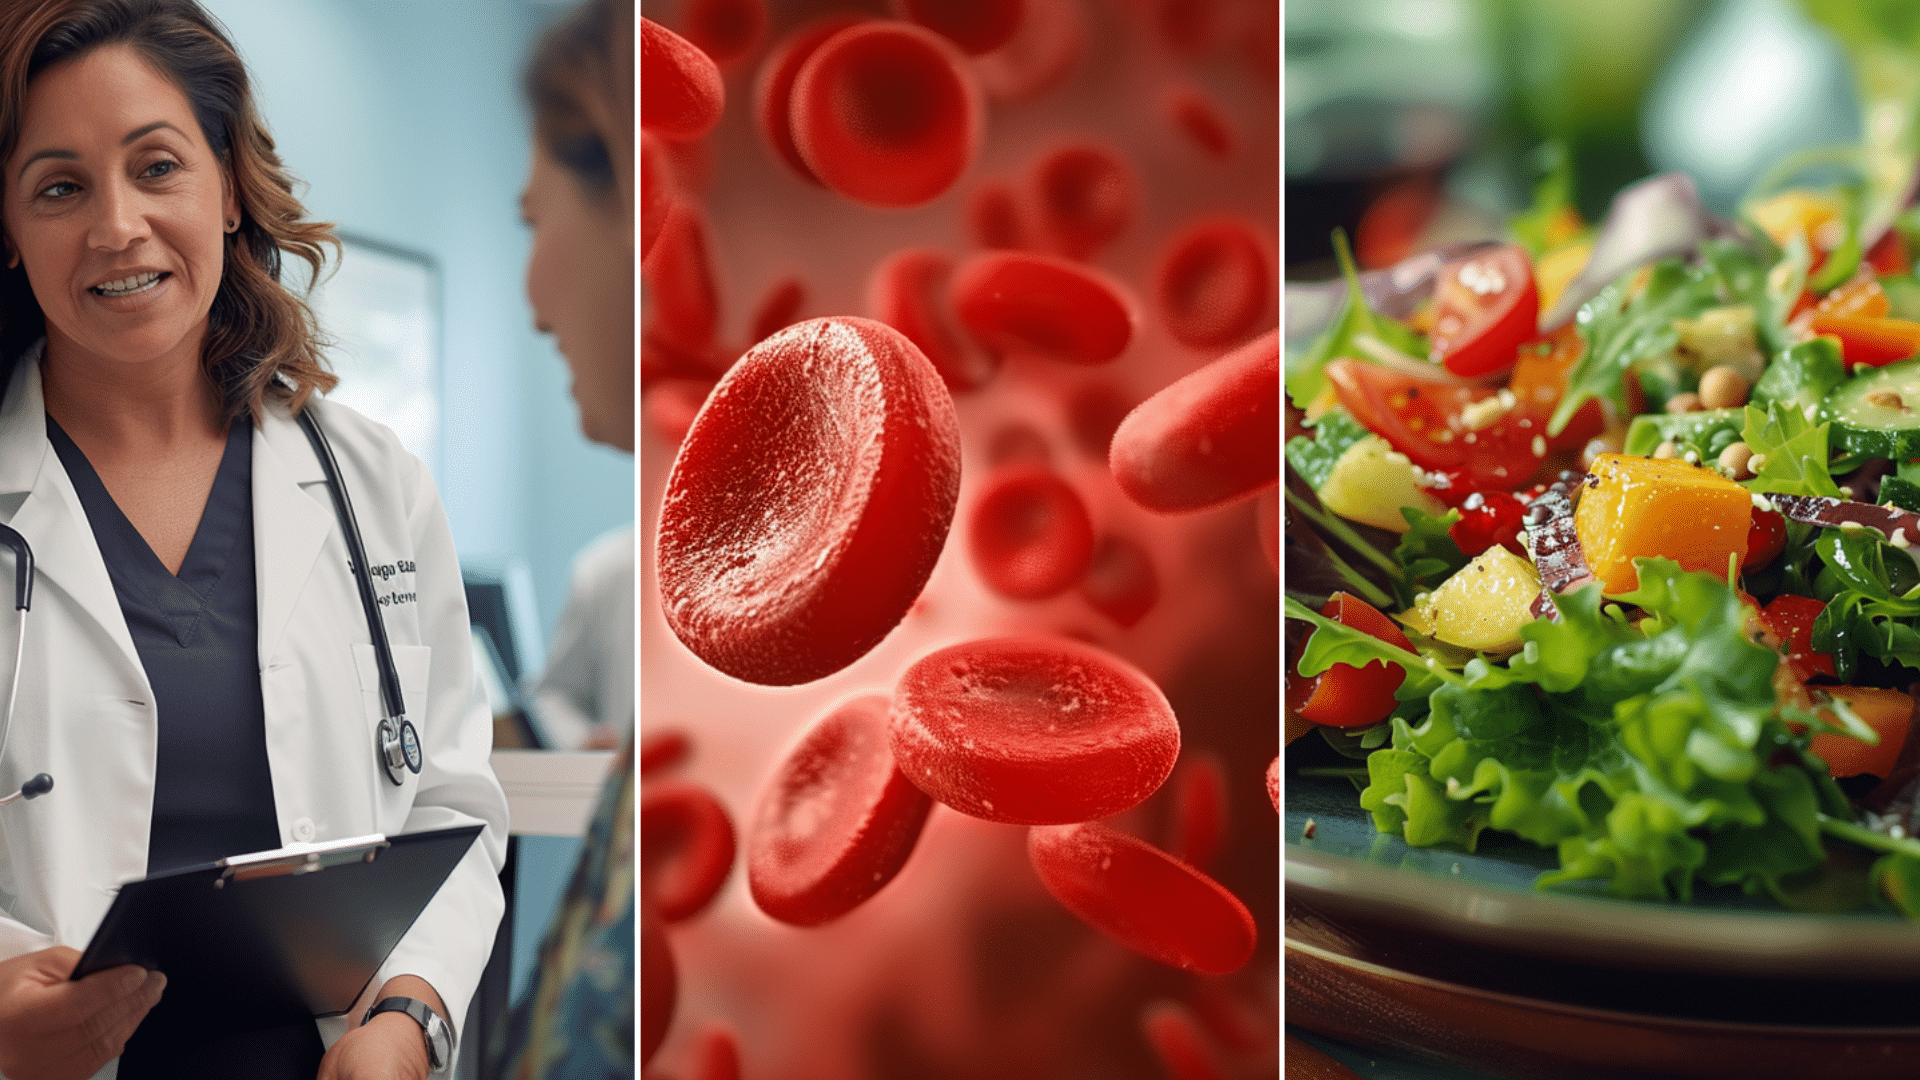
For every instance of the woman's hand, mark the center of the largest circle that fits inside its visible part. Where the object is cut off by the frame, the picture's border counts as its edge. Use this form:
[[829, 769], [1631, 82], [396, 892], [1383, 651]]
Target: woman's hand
[[54, 1029], [388, 1047]]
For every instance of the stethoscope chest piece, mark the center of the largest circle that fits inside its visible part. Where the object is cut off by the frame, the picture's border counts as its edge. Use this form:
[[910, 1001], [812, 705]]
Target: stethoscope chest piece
[[399, 749]]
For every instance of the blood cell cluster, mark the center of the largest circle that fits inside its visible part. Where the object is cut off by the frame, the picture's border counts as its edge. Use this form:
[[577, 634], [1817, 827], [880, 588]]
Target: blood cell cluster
[[957, 586]]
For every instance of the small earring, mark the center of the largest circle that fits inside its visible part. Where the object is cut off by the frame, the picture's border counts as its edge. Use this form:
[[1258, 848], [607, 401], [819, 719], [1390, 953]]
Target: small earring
[[232, 225]]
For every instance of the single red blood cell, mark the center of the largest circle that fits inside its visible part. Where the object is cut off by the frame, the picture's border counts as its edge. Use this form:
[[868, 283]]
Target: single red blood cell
[[908, 291], [1212, 437], [1200, 120], [886, 114], [1179, 1043], [1233, 1022], [773, 87], [1018, 442], [1084, 197], [1120, 581], [663, 358], [1044, 49], [1094, 413], [1214, 285], [684, 305], [716, 1055], [662, 750], [1266, 517], [1199, 808], [778, 309], [976, 26], [1014, 302], [1032, 729], [836, 822], [806, 508], [1142, 898], [1187, 27], [1030, 536], [686, 847], [1273, 783], [659, 982], [994, 218], [692, 163], [725, 30], [656, 190], [681, 95], [671, 405]]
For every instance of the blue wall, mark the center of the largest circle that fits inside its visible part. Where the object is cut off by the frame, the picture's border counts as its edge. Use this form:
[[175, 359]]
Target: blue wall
[[404, 118]]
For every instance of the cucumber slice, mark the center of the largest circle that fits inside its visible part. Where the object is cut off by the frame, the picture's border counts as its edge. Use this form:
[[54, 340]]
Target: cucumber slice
[[1878, 413]]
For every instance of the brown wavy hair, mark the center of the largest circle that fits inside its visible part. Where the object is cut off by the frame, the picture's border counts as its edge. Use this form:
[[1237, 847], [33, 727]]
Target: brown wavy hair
[[263, 344], [580, 82]]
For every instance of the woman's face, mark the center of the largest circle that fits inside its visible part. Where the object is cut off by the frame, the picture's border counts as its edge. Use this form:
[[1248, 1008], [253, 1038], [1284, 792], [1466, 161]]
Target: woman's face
[[580, 279], [117, 207]]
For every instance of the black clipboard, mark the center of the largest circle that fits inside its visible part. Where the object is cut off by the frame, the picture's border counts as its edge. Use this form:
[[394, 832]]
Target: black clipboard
[[268, 939]]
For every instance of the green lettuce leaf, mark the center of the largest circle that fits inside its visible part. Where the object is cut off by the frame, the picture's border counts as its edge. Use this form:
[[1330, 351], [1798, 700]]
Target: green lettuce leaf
[[1427, 553], [1801, 376], [1334, 433], [1306, 375], [1794, 449]]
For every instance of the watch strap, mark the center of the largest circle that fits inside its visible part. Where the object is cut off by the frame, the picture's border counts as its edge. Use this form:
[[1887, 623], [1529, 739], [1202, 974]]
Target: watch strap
[[433, 1030]]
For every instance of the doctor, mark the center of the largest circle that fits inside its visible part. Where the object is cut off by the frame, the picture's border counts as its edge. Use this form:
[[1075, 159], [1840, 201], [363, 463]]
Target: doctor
[[198, 677]]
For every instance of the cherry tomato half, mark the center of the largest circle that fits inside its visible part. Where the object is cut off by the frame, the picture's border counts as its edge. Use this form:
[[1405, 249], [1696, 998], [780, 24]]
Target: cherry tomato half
[[1426, 420], [1766, 539], [1888, 712], [1347, 696], [1488, 518], [1484, 306], [1791, 618]]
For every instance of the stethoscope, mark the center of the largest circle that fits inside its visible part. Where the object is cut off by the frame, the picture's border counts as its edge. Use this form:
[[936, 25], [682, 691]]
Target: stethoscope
[[396, 742]]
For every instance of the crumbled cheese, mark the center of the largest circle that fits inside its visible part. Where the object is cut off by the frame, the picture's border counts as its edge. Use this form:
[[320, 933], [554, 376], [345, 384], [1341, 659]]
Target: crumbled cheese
[[1539, 446], [1846, 492], [1851, 526], [1486, 412], [1756, 463], [1811, 411], [1761, 502], [1691, 457], [1899, 539]]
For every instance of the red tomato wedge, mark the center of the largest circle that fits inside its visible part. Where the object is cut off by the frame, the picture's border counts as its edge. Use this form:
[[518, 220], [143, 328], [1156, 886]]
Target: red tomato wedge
[[1347, 696], [1888, 712], [1873, 342], [1423, 419], [1766, 539], [1791, 618], [1484, 306]]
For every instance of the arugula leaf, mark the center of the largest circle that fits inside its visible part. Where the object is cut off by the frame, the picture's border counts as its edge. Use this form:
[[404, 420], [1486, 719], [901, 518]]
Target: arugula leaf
[[1900, 492], [1801, 376], [1306, 377], [1794, 449], [1427, 553], [1333, 435]]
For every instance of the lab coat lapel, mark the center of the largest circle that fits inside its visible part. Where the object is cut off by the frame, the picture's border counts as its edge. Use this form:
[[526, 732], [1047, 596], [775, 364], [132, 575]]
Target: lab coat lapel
[[288, 522], [65, 556]]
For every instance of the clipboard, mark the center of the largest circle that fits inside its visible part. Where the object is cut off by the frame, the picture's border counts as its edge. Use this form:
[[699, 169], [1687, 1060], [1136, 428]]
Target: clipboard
[[274, 937]]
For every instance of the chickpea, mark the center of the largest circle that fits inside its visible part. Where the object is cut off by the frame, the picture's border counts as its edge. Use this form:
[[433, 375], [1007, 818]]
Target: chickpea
[[1737, 459], [1722, 387], [1666, 450], [1684, 403]]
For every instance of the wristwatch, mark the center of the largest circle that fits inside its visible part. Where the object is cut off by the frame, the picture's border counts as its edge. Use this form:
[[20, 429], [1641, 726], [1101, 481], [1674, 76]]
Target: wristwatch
[[438, 1035]]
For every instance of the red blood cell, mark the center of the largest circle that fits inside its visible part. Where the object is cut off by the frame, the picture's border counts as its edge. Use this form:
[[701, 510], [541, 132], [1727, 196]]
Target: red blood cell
[[683, 305], [773, 87], [663, 358], [1043, 50], [692, 163], [1018, 442], [836, 822], [1032, 730], [809, 502], [686, 848], [725, 30], [1200, 120], [1261, 43], [779, 309], [1030, 536], [1273, 783], [994, 218], [681, 95], [1120, 581], [1214, 285], [662, 750], [1022, 303], [1084, 198], [1142, 898], [656, 190], [716, 1055], [1234, 1022], [1212, 437], [1094, 413], [1199, 808], [886, 114], [1187, 27], [908, 291], [659, 982], [1179, 1043], [1266, 518], [976, 26], [671, 405]]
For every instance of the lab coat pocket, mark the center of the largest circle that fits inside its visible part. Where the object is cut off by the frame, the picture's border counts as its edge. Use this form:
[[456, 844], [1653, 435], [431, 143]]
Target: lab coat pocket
[[412, 662]]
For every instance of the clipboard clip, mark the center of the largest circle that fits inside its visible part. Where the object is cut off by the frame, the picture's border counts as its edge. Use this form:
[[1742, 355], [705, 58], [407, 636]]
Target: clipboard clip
[[296, 859]]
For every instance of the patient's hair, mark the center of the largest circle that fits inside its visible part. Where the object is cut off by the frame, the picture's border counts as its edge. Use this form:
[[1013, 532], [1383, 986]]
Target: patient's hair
[[263, 344], [580, 83]]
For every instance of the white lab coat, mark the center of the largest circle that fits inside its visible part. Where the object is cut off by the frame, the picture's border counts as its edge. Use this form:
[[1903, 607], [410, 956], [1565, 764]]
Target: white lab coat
[[86, 715], [589, 675]]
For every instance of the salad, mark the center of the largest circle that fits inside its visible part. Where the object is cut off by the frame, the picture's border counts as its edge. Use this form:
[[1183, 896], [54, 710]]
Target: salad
[[1605, 539]]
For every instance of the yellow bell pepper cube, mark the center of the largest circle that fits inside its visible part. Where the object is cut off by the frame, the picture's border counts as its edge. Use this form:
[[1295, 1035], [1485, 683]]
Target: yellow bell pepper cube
[[1635, 507]]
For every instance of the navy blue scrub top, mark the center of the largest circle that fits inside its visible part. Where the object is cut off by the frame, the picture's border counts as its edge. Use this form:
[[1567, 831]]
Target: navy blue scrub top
[[198, 638]]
